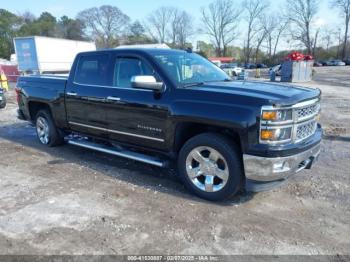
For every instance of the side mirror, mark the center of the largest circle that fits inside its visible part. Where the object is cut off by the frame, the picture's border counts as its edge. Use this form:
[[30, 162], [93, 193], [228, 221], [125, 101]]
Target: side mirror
[[146, 82]]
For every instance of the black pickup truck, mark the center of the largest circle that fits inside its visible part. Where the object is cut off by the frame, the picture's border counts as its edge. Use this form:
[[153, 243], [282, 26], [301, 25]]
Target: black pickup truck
[[162, 106]]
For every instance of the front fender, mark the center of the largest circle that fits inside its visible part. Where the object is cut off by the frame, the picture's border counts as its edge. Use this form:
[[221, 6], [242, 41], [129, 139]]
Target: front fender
[[240, 119]]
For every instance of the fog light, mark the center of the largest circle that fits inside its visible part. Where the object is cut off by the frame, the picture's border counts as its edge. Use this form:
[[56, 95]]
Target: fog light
[[267, 134], [281, 167], [276, 135]]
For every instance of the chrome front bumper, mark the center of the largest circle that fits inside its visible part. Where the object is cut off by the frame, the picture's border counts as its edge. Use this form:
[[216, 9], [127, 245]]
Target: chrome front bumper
[[265, 169]]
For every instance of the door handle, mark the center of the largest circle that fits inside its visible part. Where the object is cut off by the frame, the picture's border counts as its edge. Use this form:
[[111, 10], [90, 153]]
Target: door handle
[[113, 98], [71, 94]]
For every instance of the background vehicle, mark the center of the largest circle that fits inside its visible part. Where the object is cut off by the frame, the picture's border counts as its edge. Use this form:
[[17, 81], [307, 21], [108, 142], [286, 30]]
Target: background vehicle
[[2, 98], [232, 69], [250, 66], [37, 54], [261, 66], [317, 64], [347, 62], [335, 63], [166, 106], [324, 63]]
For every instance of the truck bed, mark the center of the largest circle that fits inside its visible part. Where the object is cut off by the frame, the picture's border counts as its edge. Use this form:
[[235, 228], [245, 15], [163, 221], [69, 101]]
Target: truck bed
[[48, 89], [40, 83]]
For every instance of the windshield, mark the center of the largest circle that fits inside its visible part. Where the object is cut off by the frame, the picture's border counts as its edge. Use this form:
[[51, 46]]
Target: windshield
[[189, 68]]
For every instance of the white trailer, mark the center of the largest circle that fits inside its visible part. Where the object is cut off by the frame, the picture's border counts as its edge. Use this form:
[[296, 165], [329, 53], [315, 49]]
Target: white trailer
[[37, 54]]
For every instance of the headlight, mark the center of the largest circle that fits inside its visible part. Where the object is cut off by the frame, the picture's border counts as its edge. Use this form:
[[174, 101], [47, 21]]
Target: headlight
[[277, 115], [276, 134]]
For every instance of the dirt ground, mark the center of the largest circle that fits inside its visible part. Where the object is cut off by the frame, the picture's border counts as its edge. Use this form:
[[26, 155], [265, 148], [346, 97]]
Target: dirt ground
[[68, 200]]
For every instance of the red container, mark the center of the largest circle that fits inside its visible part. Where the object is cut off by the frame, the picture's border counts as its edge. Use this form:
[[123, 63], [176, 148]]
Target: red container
[[296, 56], [11, 72]]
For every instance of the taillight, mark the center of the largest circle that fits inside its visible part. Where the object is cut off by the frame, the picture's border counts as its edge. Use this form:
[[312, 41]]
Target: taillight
[[18, 91]]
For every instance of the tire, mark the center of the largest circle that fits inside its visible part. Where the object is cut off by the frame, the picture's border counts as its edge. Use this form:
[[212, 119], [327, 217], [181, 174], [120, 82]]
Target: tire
[[48, 134], [220, 158], [3, 103]]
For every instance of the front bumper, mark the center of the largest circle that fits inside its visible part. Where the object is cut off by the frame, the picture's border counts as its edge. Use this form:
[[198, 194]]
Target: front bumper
[[263, 169]]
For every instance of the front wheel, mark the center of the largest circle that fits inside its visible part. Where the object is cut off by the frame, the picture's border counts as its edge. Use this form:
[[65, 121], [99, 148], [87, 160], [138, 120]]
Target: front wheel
[[210, 166]]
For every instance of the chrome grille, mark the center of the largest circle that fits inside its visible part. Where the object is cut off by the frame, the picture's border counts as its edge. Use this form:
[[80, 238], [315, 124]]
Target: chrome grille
[[307, 112], [305, 130]]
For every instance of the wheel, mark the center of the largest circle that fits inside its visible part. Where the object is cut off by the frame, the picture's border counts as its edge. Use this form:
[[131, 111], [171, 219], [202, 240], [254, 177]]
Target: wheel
[[210, 166], [46, 130], [3, 103]]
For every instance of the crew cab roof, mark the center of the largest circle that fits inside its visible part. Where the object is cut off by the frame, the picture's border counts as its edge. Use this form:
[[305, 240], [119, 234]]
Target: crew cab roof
[[141, 51]]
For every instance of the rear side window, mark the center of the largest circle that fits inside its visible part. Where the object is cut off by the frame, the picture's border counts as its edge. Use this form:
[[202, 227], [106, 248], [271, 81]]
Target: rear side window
[[92, 70]]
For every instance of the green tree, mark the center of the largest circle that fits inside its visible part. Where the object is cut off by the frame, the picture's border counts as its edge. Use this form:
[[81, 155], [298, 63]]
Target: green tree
[[45, 25], [9, 23], [235, 52], [137, 29], [208, 50], [70, 28], [137, 34]]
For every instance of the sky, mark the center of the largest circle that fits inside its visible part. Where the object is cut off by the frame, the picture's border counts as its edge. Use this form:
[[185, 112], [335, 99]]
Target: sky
[[139, 9]]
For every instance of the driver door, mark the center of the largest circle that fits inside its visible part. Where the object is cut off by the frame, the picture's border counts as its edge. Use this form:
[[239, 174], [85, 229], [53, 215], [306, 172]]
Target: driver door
[[135, 115]]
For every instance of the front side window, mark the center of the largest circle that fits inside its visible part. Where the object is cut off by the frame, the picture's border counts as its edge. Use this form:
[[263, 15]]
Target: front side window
[[92, 70], [189, 68], [126, 68]]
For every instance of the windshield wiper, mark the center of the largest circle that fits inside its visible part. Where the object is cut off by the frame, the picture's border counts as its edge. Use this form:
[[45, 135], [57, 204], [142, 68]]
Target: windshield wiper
[[193, 84], [202, 83]]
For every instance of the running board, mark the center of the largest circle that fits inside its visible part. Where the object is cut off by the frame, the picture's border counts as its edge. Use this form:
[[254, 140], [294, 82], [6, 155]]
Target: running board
[[118, 152]]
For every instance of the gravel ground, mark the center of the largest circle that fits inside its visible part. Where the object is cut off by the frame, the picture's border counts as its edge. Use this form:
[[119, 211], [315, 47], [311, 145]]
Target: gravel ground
[[68, 200]]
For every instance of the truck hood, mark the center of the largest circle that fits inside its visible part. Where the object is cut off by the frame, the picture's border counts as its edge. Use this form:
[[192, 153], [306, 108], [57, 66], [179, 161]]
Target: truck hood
[[275, 93]]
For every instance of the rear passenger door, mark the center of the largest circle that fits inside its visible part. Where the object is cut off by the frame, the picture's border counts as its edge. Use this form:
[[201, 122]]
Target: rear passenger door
[[135, 115], [86, 94]]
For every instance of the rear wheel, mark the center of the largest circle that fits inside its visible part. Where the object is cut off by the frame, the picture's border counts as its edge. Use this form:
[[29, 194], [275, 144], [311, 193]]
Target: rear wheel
[[210, 166], [46, 130]]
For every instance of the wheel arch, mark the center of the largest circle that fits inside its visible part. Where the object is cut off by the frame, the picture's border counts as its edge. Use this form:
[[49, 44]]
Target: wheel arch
[[34, 107], [186, 130]]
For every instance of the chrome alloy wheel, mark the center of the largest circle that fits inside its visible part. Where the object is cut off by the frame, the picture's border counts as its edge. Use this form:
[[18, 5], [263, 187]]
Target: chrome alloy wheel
[[207, 169], [42, 129]]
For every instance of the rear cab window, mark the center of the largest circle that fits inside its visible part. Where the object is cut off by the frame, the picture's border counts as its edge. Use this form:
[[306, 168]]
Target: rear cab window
[[92, 70]]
